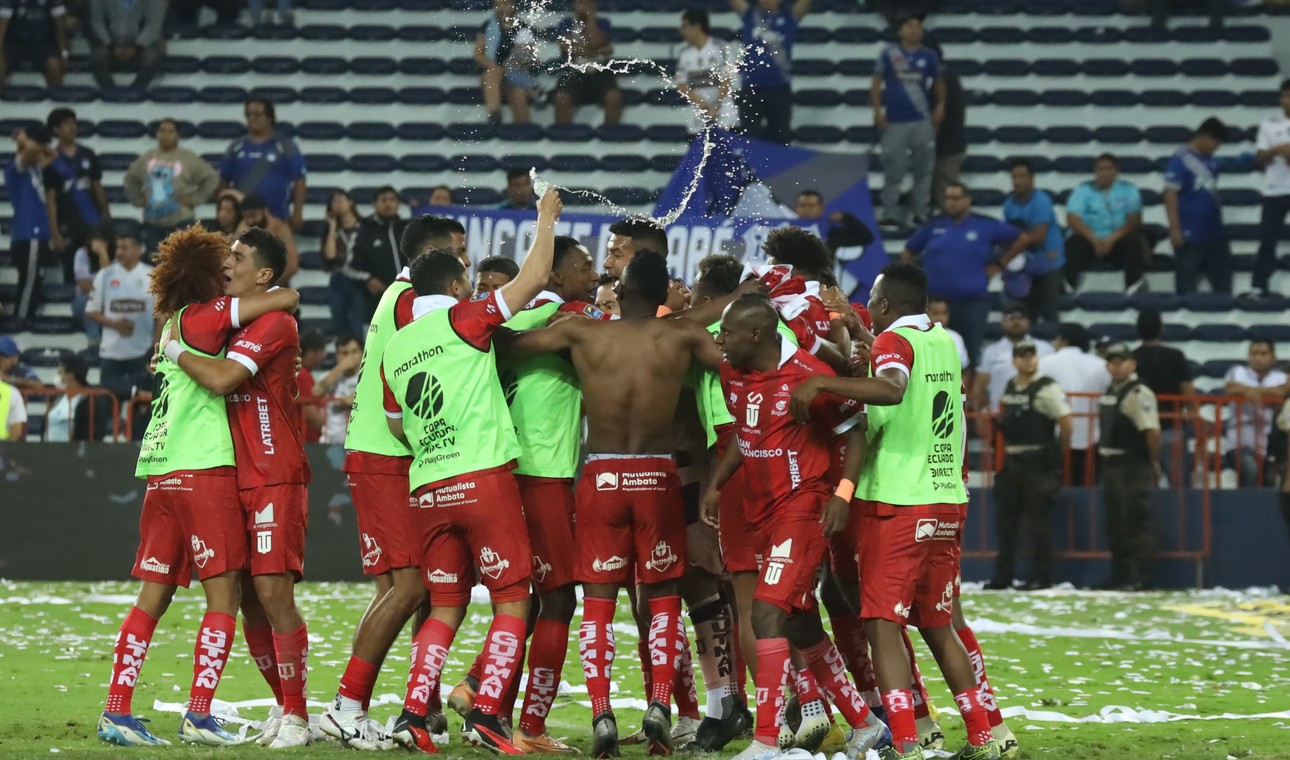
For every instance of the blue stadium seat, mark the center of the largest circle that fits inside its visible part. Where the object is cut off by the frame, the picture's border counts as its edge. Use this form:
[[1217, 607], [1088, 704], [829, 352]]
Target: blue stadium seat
[[322, 32], [1154, 67], [1235, 197], [1219, 333], [46, 325], [1001, 35], [1118, 135], [58, 292], [275, 65], [23, 94], [1135, 164], [1074, 164], [46, 356], [422, 96], [1245, 33], [858, 67], [1145, 34], [373, 163], [69, 94], [631, 196], [974, 164], [1171, 135], [854, 34], [424, 67], [667, 133], [665, 164], [371, 33], [1103, 301], [462, 131], [316, 296], [1268, 98], [1164, 98], [1113, 98], [1104, 67], [1272, 303], [327, 163], [182, 64], [1016, 98], [626, 163], [375, 96], [1068, 135], [324, 95], [420, 33], [420, 163], [373, 66], [276, 95], [225, 65], [1173, 332], [612, 133], [222, 95], [414, 131], [815, 97], [1202, 67], [966, 67], [1050, 35], [580, 163], [1213, 98], [1277, 333], [311, 259], [1063, 98], [465, 96], [1158, 300], [954, 35], [1218, 368], [811, 67], [1055, 67], [478, 196], [522, 161], [474, 163], [1208, 302], [116, 162], [1008, 67], [320, 130], [861, 134], [817, 135], [370, 130], [988, 198], [120, 129]]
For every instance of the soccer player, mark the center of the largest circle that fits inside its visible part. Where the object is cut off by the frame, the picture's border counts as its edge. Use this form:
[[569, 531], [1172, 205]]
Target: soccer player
[[258, 377], [494, 272], [629, 236], [442, 397], [787, 486], [628, 503], [187, 451], [797, 298], [376, 466], [912, 493]]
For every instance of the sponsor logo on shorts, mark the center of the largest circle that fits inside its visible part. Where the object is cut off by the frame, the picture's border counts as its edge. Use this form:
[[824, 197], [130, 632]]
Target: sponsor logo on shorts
[[604, 566], [265, 516], [454, 495], [932, 529], [902, 610], [662, 558], [201, 552], [491, 563], [780, 555], [540, 568], [263, 541], [606, 481], [371, 551], [441, 576], [946, 604], [426, 501], [154, 565]]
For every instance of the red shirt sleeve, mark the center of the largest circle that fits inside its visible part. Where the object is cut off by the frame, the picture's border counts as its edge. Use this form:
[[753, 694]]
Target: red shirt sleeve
[[403, 308], [474, 321], [585, 309], [305, 382], [839, 414], [392, 408], [257, 343], [892, 350], [207, 326], [801, 326]]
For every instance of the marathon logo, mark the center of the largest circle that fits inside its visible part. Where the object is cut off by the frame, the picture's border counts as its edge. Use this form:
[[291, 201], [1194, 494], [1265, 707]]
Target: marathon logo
[[371, 551], [154, 565], [201, 553], [248, 345], [931, 529], [422, 355], [938, 377]]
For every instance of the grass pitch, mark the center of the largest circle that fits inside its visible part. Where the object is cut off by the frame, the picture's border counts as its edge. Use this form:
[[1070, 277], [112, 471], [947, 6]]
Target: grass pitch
[[1090, 675]]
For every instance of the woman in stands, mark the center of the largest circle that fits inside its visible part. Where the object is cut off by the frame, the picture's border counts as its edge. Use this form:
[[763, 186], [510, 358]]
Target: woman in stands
[[228, 215]]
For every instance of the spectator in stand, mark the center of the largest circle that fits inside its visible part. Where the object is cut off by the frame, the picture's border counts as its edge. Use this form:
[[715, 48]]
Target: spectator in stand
[[584, 42], [908, 99], [74, 195], [1166, 372], [228, 214], [168, 182], [441, 195], [995, 368], [1245, 434], [267, 164], [351, 304], [960, 251], [33, 33], [95, 255], [13, 410], [951, 137], [1079, 372], [1273, 145], [74, 415], [842, 229], [493, 273], [1196, 213], [338, 385], [376, 246], [1105, 219], [938, 310], [704, 75], [1039, 284], [313, 352], [126, 35], [29, 232], [122, 303], [506, 51], [766, 96], [607, 297], [264, 17], [12, 370], [255, 213], [519, 191]]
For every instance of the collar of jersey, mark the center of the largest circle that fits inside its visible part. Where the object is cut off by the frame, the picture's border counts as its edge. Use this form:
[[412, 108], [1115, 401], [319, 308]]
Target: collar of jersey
[[545, 296], [406, 274], [786, 351], [423, 305], [912, 320]]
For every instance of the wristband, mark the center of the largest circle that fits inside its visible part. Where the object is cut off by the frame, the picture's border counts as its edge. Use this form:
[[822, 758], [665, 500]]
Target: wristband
[[173, 350], [846, 489]]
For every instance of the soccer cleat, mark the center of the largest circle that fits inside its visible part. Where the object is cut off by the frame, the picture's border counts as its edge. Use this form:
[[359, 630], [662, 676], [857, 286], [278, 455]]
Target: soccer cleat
[[684, 732], [715, 733], [410, 733], [758, 751], [209, 731], [1008, 746], [786, 737], [604, 736], [293, 732], [813, 728], [542, 745], [485, 731], [269, 729], [436, 722], [657, 726], [354, 731], [745, 718], [834, 741], [890, 753], [462, 698], [127, 731], [861, 740], [988, 751], [930, 735]]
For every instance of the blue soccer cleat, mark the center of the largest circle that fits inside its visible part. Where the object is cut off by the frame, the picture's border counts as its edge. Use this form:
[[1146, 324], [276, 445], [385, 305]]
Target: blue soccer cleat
[[127, 731], [209, 731]]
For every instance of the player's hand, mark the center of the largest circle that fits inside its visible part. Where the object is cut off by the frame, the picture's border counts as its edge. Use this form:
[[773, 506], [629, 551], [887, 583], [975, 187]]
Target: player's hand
[[708, 507], [834, 516], [859, 362], [678, 295], [156, 357], [879, 120], [56, 240], [1176, 238], [300, 363], [992, 271], [125, 327], [803, 396], [549, 205]]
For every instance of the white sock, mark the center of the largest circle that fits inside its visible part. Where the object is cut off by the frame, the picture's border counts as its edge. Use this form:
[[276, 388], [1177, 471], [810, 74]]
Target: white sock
[[347, 707], [714, 708]]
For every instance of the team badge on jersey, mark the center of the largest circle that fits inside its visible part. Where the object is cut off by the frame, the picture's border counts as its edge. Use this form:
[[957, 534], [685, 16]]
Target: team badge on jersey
[[481, 296], [593, 312]]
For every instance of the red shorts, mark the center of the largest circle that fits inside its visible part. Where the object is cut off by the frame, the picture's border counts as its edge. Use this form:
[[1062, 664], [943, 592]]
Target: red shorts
[[629, 514], [843, 547], [277, 518], [794, 548], [210, 517], [741, 541], [389, 533], [548, 512], [474, 522], [163, 546], [909, 565]]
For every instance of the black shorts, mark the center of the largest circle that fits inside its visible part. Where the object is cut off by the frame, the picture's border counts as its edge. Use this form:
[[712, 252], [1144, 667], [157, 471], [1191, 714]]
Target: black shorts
[[587, 88], [20, 54]]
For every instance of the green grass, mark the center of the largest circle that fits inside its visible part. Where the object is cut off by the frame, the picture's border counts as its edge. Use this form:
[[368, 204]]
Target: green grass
[[1068, 652]]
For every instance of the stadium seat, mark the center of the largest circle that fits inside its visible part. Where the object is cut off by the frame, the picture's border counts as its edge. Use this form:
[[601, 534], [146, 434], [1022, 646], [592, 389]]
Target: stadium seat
[[1154, 67], [481, 164], [320, 130], [421, 163], [373, 163], [1113, 98], [1160, 301], [1103, 301], [370, 33], [415, 132], [322, 32], [1219, 333], [478, 196], [818, 135], [1270, 303], [1071, 135], [1173, 332], [1017, 98], [324, 95], [1208, 302], [121, 129], [1055, 67], [511, 133], [376, 96], [116, 162], [422, 67], [1277, 333], [1118, 135], [222, 95], [225, 65], [570, 163], [631, 196], [1163, 98], [1050, 35], [275, 65], [1061, 98], [1218, 368], [624, 163], [460, 131]]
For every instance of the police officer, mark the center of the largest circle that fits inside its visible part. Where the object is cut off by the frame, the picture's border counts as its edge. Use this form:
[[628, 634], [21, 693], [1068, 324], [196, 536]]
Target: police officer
[[1036, 424], [1130, 455]]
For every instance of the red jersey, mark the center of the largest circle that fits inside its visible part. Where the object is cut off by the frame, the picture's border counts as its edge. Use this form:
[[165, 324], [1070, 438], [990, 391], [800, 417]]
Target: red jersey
[[262, 412], [890, 349], [305, 386], [207, 326], [811, 324], [780, 455]]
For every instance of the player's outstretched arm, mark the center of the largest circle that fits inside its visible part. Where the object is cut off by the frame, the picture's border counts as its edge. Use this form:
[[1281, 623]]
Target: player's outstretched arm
[[886, 389], [834, 516], [560, 336], [726, 467], [831, 354], [256, 305], [710, 311], [535, 270], [703, 347], [219, 376]]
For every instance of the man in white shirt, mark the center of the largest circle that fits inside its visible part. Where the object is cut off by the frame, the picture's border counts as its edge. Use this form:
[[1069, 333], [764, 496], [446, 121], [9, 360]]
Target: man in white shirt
[[340, 384], [1245, 431], [1079, 372], [938, 310], [122, 304], [995, 368], [703, 75], [1273, 145]]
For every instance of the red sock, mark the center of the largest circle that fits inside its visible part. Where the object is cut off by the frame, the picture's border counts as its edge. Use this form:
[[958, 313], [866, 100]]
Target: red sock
[[476, 671], [503, 653], [664, 646], [546, 661], [292, 650], [647, 670], [429, 653], [918, 691], [214, 639], [853, 643], [899, 704], [805, 686], [974, 717], [358, 680], [830, 670], [683, 689], [741, 667], [259, 642], [128, 653], [507, 706], [984, 691], [596, 649], [772, 676]]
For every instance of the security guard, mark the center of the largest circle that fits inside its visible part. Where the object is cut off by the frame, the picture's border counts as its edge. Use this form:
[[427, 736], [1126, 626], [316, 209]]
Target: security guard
[[1130, 454], [1036, 425]]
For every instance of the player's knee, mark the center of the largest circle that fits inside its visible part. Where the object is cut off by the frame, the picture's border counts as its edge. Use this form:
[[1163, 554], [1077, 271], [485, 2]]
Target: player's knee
[[768, 620], [804, 630], [558, 605]]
